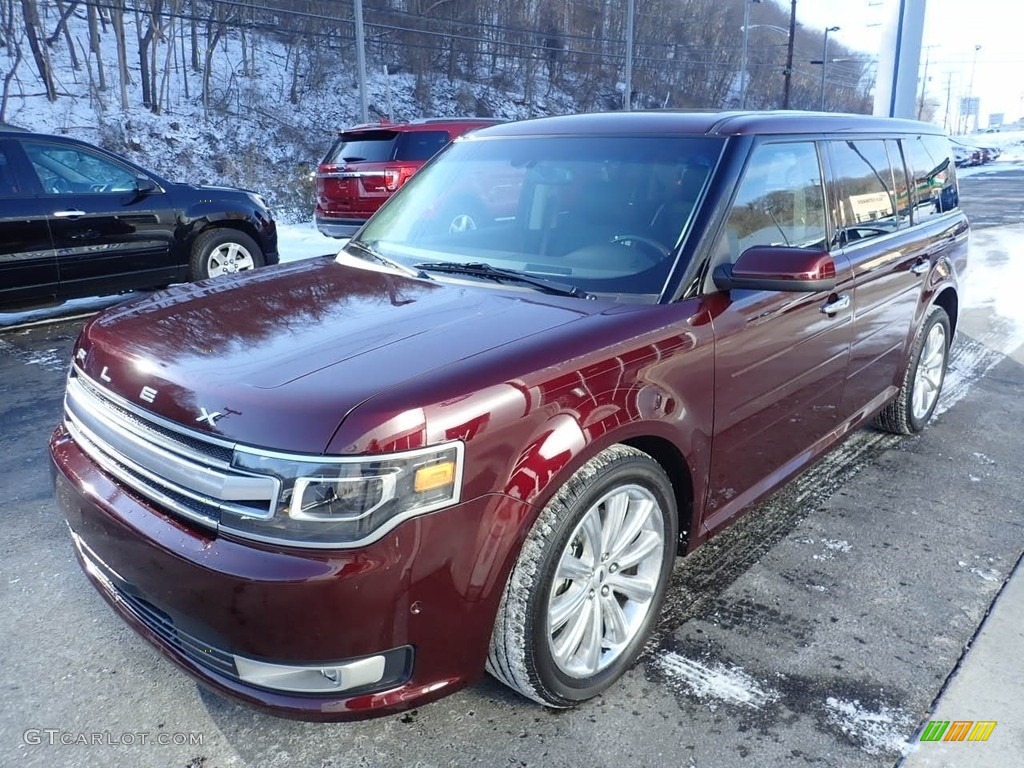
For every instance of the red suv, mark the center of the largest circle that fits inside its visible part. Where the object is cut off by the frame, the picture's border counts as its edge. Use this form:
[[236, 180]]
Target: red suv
[[369, 162]]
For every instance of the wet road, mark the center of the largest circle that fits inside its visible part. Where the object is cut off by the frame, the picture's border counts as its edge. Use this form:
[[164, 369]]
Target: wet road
[[816, 631]]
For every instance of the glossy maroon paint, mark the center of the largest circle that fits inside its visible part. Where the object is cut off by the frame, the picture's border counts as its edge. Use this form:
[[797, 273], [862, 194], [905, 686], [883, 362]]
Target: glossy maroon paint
[[767, 263], [733, 391]]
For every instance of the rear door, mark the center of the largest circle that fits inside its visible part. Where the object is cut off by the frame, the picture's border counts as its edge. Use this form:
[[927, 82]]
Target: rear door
[[889, 259], [28, 265], [108, 235], [780, 357]]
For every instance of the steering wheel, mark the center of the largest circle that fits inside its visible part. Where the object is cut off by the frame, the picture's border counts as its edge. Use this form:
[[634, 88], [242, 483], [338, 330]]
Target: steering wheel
[[627, 240], [59, 186]]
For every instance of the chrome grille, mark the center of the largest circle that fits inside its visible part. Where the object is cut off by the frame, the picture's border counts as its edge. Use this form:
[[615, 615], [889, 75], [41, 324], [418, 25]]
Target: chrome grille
[[184, 472]]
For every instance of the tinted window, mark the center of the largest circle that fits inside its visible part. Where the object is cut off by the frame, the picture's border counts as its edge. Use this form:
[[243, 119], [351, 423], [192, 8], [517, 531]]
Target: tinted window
[[71, 170], [365, 146], [934, 189], [420, 145], [779, 201], [10, 184], [867, 197]]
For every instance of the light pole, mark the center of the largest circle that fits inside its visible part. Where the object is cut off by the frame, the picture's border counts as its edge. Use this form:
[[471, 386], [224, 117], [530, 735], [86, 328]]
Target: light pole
[[627, 91], [743, 86], [743, 62], [364, 114], [824, 64], [970, 93]]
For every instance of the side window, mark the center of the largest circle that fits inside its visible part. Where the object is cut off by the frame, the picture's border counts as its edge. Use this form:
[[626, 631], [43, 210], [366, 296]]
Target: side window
[[867, 196], [10, 183], [420, 145], [780, 201], [931, 165], [71, 170]]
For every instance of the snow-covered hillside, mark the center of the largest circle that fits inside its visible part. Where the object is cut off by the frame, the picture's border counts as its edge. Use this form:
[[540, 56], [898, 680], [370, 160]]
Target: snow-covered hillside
[[250, 137]]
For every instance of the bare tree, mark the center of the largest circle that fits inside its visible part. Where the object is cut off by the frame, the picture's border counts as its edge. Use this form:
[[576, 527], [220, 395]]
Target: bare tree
[[30, 15], [92, 15], [147, 56]]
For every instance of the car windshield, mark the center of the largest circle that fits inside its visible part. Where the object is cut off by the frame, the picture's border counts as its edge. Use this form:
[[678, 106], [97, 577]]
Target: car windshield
[[604, 214]]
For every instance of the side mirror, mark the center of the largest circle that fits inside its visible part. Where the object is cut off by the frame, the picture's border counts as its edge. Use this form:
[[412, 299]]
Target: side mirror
[[145, 186], [774, 268]]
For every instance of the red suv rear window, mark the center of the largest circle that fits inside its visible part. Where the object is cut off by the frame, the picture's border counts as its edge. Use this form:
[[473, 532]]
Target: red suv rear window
[[381, 146], [365, 146]]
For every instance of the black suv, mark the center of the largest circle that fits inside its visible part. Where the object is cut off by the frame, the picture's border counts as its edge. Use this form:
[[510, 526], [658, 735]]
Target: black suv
[[76, 220]]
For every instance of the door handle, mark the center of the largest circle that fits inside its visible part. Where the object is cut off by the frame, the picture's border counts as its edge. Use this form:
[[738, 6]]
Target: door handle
[[70, 214], [838, 304], [921, 267]]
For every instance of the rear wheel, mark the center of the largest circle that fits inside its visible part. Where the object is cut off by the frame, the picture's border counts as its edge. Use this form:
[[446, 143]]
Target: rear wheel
[[589, 582], [908, 413], [223, 251]]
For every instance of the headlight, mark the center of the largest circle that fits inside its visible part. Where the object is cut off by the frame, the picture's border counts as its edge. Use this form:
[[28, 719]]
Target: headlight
[[338, 502]]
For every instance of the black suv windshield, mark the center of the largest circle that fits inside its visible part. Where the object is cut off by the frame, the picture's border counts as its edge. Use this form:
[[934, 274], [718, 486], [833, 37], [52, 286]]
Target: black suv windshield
[[601, 213]]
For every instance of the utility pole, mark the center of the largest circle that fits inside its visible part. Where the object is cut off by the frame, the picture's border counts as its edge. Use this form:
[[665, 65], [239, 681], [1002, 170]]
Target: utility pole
[[949, 96], [627, 92], [364, 112], [788, 74]]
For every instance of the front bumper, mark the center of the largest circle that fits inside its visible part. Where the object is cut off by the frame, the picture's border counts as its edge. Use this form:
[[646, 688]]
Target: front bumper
[[423, 597]]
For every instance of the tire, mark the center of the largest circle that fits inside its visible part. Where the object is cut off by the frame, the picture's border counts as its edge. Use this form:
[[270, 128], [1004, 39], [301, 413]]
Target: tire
[[223, 251], [545, 625], [915, 403]]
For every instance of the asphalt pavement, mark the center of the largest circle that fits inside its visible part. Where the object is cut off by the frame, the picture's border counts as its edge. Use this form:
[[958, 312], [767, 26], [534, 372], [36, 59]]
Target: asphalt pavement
[[877, 592]]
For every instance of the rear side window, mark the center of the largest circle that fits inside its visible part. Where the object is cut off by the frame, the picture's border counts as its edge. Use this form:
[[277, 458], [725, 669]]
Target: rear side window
[[10, 183], [779, 201], [934, 178], [362, 147], [866, 190], [420, 145]]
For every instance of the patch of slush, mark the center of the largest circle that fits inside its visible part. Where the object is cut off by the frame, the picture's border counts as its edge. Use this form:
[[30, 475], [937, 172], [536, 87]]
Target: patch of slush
[[715, 682], [874, 732]]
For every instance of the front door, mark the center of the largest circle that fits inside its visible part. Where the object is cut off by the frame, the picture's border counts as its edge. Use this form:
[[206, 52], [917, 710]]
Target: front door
[[108, 235], [780, 357], [28, 266]]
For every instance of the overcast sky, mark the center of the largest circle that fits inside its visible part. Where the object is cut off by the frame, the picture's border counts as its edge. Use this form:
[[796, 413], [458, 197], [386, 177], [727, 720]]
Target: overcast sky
[[952, 29]]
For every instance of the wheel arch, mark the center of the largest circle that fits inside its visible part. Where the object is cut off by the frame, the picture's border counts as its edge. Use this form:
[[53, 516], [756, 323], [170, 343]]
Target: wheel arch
[[672, 461], [208, 223], [949, 301]]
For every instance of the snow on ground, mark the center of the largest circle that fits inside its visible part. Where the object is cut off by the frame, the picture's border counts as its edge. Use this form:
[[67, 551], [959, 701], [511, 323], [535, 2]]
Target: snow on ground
[[995, 270], [302, 241], [874, 732], [715, 683]]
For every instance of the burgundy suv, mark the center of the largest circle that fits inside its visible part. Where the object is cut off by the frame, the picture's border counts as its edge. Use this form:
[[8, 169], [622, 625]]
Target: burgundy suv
[[340, 488], [368, 163]]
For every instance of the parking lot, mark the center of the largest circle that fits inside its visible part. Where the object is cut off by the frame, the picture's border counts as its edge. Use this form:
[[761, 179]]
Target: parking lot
[[816, 631]]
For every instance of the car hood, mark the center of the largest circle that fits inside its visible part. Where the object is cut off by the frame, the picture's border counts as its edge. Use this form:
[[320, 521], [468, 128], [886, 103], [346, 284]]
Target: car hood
[[283, 354]]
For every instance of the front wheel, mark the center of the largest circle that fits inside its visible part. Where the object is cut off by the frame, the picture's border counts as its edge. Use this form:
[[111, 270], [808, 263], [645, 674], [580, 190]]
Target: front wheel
[[915, 403], [589, 582], [223, 251]]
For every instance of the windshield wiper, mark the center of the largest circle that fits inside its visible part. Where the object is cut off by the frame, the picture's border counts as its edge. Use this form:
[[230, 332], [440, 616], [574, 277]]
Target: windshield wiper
[[480, 269], [382, 259]]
